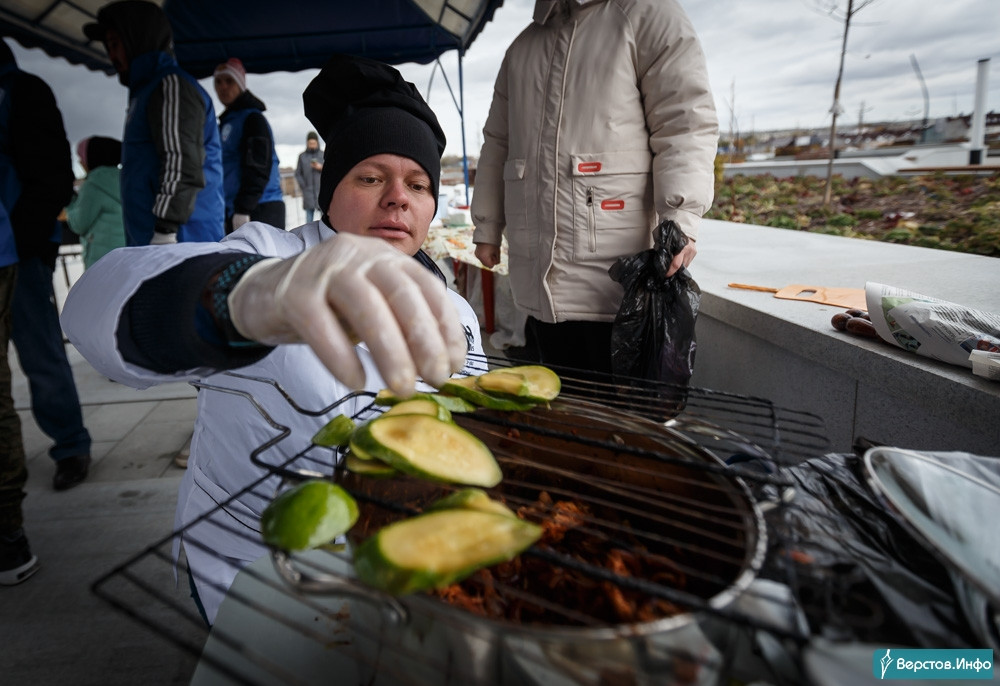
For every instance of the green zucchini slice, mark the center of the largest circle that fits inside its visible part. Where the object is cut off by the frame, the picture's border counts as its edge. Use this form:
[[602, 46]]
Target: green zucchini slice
[[439, 548], [465, 387], [420, 406], [368, 466], [336, 433], [425, 446], [388, 398], [451, 403], [308, 515], [470, 499], [531, 382], [359, 453]]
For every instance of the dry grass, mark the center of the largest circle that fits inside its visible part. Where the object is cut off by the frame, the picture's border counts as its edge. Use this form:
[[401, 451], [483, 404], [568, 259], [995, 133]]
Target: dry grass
[[949, 212]]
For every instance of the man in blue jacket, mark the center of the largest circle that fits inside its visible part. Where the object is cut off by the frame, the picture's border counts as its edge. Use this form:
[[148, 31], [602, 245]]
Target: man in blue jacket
[[251, 181], [171, 158]]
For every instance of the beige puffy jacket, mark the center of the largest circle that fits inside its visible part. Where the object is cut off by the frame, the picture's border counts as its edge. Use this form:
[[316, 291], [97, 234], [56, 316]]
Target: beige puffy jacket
[[602, 124]]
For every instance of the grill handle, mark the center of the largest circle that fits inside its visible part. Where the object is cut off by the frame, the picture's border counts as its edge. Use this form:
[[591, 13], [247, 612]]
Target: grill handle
[[331, 584]]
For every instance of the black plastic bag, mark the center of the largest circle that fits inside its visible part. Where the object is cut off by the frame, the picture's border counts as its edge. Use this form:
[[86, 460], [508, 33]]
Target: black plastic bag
[[860, 574], [653, 334]]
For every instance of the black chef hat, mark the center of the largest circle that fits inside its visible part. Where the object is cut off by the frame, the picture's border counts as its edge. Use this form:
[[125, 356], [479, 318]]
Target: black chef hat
[[362, 108]]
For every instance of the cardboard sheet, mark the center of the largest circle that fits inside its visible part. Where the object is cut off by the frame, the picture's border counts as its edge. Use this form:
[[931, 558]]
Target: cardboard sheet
[[825, 295]]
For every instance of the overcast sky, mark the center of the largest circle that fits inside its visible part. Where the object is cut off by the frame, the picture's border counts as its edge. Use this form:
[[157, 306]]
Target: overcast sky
[[773, 65]]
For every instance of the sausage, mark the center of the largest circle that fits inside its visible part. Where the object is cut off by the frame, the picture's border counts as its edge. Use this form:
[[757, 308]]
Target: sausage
[[854, 312], [861, 327], [839, 321]]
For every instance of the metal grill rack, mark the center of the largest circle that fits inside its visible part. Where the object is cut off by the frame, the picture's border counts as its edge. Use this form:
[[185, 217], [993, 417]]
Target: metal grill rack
[[300, 599]]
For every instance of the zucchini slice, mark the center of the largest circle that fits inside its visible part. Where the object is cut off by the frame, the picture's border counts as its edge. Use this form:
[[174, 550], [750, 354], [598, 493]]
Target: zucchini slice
[[465, 387], [531, 382], [368, 467], [425, 446], [451, 403], [359, 453], [387, 397], [439, 548], [420, 406], [308, 515], [336, 433], [470, 499]]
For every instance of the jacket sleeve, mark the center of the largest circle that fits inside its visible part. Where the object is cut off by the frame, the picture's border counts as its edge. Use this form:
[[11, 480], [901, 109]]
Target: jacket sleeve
[[488, 200], [300, 175], [83, 211], [163, 325], [177, 119], [256, 148], [44, 165], [680, 113], [123, 333]]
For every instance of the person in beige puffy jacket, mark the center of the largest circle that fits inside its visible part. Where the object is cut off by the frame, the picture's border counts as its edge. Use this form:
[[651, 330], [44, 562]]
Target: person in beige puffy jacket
[[602, 125]]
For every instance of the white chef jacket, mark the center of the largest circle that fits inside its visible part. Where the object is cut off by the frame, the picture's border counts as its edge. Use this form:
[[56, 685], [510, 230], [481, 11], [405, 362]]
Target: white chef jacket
[[228, 427]]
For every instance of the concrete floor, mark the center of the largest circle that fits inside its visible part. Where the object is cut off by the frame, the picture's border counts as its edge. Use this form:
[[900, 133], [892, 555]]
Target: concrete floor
[[53, 628]]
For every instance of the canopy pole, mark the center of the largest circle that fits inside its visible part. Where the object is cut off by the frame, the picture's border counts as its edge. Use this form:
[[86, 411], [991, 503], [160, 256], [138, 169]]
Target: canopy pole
[[461, 119]]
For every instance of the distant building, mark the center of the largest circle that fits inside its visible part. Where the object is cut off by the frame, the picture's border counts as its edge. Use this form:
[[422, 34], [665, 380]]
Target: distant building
[[288, 185], [955, 129]]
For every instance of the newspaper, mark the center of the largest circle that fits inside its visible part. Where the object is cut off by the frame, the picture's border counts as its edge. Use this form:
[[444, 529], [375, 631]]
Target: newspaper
[[931, 327]]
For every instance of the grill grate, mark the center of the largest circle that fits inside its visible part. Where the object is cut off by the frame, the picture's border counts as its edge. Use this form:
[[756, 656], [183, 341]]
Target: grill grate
[[698, 500]]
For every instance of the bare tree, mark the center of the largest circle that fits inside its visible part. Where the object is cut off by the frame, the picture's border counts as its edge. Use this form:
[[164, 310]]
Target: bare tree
[[853, 7], [862, 110], [923, 90], [734, 127]]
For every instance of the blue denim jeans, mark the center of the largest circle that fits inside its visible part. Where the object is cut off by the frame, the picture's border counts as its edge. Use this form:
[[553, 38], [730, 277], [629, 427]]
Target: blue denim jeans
[[38, 339], [309, 215]]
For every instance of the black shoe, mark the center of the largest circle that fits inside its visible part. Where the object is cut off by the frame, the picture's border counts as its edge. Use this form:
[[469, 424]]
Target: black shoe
[[70, 471], [16, 561]]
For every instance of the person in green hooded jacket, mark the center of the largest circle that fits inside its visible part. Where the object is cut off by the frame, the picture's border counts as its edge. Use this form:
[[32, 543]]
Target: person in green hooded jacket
[[95, 214]]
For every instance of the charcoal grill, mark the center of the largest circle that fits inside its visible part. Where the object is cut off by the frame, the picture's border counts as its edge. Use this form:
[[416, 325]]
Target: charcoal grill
[[678, 474]]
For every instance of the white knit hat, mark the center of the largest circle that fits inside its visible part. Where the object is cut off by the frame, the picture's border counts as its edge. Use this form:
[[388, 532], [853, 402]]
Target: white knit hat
[[234, 68]]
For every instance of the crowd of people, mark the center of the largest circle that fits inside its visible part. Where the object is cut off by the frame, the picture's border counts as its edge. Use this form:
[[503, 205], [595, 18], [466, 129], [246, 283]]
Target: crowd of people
[[190, 270]]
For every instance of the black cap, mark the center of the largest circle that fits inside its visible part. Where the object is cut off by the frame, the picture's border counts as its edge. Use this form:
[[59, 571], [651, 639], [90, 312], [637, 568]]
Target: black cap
[[103, 152], [95, 30], [143, 26], [362, 107]]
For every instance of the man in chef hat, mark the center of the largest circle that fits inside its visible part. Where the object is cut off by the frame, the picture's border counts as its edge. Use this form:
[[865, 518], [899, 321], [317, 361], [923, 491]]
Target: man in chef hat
[[190, 311]]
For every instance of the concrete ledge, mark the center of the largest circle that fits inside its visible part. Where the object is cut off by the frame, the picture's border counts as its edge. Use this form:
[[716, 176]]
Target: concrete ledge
[[872, 164], [752, 343]]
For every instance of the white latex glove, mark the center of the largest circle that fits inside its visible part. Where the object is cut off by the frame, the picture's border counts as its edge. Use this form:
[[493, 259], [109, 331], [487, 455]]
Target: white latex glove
[[360, 288], [239, 220], [160, 238]]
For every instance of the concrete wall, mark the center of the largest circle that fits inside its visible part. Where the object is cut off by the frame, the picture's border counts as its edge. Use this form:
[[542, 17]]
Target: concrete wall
[[862, 164], [787, 351]]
